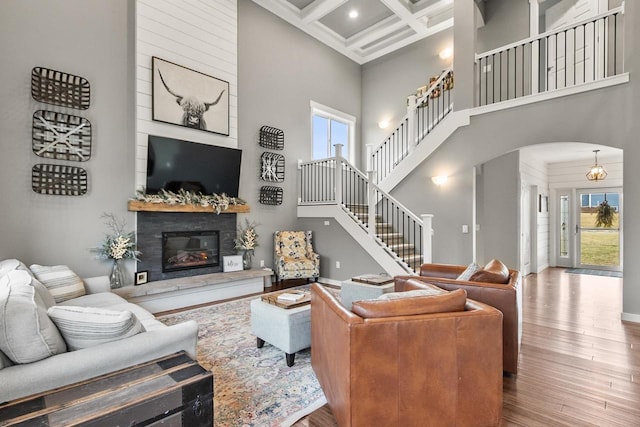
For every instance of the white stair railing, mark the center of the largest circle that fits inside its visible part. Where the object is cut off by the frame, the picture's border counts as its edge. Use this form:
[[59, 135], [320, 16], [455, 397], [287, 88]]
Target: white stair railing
[[423, 114], [405, 236]]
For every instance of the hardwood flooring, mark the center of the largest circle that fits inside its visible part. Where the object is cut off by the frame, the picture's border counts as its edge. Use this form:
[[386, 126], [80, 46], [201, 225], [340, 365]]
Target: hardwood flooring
[[579, 364]]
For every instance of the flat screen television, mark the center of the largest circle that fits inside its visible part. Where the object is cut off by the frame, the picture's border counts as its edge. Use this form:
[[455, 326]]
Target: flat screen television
[[174, 164]]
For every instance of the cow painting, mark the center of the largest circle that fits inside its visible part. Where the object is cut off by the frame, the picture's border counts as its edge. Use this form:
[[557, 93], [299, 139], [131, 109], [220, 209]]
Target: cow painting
[[192, 108], [200, 98]]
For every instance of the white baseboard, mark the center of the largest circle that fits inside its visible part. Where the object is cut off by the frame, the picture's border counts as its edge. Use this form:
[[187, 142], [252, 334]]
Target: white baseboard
[[630, 317]]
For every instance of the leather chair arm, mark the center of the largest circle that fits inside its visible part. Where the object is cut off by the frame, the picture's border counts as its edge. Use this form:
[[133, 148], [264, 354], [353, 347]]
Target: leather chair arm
[[448, 271]]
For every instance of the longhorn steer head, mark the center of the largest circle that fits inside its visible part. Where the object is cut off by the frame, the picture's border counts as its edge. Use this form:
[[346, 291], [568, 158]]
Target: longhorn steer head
[[193, 108]]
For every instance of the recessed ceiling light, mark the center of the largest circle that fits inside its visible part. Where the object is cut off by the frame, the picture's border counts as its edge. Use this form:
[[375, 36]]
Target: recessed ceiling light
[[353, 14]]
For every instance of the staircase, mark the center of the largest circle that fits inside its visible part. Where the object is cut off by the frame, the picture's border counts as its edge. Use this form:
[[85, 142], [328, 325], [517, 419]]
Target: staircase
[[393, 241], [402, 239]]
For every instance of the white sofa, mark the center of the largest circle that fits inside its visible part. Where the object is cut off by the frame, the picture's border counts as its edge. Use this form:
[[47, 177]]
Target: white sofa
[[157, 340]]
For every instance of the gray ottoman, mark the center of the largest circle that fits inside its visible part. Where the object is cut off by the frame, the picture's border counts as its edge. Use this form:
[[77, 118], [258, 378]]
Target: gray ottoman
[[355, 291], [287, 329]]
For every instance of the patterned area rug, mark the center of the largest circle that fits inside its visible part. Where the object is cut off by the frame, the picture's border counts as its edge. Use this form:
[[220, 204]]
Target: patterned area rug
[[252, 386], [592, 272]]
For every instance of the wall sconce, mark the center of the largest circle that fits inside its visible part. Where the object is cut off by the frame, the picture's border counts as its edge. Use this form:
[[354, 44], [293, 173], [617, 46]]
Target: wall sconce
[[446, 53], [439, 180], [383, 124]]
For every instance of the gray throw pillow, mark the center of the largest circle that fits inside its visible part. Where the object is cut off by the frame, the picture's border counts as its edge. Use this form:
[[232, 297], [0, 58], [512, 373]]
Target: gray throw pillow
[[8, 265], [63, 283], [470, 270], [84, 327], [27, 334]]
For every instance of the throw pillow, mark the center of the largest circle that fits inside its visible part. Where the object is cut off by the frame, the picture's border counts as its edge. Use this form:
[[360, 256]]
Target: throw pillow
[[441, 303], [83, 327], [494, 272], [63, 283], [8, 265], [27, 334], [468, 272]]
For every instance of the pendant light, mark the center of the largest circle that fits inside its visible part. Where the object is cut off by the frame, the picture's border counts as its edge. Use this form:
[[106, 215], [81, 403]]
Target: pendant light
[[597, 172]]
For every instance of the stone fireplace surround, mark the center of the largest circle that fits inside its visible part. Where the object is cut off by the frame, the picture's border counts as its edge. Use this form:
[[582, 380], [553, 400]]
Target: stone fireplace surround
[[149, 239]]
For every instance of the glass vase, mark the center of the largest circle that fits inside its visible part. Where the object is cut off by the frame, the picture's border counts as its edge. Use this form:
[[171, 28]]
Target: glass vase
[[247, 259], [117, 276]]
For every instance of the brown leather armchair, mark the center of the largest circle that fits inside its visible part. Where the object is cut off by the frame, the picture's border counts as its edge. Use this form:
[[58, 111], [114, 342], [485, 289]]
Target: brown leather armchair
[[410, 370], [505, 297]]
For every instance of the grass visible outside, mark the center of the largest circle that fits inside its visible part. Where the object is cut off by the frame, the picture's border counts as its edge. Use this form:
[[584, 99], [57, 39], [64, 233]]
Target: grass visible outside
[[600, 247]]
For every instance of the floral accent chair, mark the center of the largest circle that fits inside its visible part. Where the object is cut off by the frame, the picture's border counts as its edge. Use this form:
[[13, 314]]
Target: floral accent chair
[[294, 257]]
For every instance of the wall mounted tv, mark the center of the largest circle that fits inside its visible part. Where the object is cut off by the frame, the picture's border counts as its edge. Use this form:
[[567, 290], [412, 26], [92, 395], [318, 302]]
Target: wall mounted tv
[[174, 164]]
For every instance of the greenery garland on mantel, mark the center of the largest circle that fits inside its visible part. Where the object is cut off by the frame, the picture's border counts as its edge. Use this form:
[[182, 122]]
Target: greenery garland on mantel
[[219, 202]]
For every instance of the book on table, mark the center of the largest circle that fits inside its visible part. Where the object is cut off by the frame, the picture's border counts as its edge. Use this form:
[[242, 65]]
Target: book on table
[[290, 297]]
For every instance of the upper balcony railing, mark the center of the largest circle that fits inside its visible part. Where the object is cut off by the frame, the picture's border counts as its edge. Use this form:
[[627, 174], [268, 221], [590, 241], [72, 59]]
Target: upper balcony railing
[[582, 52], [423, 114]]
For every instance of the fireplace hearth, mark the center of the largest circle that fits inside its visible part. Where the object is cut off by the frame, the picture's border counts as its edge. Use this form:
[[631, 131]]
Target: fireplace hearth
[[184, 250]]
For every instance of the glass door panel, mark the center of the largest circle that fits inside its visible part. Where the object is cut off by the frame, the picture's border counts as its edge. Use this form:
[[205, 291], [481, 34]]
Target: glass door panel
[[599, 221]]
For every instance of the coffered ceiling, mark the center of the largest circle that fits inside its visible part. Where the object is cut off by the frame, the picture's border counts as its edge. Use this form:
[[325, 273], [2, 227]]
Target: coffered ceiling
[[381, 26]]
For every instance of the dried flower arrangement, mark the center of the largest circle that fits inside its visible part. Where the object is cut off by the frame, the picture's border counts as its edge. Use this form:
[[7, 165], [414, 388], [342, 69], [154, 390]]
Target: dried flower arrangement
[[219, 202]]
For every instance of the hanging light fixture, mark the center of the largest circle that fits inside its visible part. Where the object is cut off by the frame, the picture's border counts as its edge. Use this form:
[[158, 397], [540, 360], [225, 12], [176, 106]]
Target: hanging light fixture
[[597, 172]]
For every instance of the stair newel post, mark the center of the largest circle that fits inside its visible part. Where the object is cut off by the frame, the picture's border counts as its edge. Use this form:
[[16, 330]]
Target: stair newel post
[[338, 172], [371, 203], [427, 238], [411, 121]]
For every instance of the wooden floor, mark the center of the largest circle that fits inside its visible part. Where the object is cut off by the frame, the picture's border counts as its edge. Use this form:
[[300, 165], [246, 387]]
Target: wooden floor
[[579, 364]]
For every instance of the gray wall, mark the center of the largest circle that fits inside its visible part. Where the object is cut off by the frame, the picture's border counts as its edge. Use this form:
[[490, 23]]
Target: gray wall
[[498, 210], [506, 21], [280, 70], [92, 39], [387, 81]]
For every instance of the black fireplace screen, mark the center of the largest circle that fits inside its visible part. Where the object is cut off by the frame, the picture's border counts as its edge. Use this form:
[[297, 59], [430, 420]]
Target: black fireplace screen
[[182, 250]]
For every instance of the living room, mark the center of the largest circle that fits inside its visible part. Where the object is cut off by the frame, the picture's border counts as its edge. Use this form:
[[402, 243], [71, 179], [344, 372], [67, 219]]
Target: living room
[[275, 73]]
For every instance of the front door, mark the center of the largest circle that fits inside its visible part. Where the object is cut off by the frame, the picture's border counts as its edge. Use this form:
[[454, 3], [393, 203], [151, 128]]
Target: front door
[[599, 237]]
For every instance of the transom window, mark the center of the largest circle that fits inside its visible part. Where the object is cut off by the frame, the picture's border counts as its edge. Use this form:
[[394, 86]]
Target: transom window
[[328, 128]]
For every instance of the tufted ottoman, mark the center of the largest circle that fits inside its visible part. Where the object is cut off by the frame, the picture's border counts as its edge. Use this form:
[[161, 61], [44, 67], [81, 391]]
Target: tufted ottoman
[[287, 329]]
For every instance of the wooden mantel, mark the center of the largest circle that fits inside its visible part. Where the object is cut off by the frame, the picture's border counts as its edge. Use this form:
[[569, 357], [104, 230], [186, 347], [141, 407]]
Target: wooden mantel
[[139, 206]]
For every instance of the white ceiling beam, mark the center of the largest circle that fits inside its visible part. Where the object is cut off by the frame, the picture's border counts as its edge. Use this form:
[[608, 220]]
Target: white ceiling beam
[[372, 53], [375, 32], [434, 8], [399, 8], [318, 9]]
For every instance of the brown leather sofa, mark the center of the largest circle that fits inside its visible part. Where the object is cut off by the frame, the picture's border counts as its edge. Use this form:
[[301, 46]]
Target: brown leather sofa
[[505, 297], [436, 369]]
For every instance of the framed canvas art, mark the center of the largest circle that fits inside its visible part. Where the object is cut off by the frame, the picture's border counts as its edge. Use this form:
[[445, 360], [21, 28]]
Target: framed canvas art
[[189, 98]]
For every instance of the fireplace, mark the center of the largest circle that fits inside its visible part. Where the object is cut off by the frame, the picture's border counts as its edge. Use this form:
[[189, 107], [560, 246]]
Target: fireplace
[[185, 250]]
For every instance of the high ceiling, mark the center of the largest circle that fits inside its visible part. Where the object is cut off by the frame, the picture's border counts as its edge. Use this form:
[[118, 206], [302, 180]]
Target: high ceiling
[[381, 26]]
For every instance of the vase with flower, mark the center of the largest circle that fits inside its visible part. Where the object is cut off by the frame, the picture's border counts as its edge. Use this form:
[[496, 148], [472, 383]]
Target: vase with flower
[[117, 246], [246, 242]]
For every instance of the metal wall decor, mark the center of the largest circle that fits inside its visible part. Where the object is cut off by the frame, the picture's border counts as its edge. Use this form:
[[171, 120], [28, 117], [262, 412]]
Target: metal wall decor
[[270, 195], [271, 138], [59, 180], [61, 136], [272, 167], [59, 88]]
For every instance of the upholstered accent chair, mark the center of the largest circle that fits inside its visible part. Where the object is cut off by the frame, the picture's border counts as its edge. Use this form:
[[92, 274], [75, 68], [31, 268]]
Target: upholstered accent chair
[[294, 257], [433, 360]]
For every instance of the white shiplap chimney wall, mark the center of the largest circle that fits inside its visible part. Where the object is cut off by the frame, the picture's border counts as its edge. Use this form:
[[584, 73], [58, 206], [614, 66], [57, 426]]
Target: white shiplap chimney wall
[[197, 34]]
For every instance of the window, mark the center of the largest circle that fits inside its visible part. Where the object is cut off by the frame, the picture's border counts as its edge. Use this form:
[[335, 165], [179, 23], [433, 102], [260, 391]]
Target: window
[[328, 128]]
